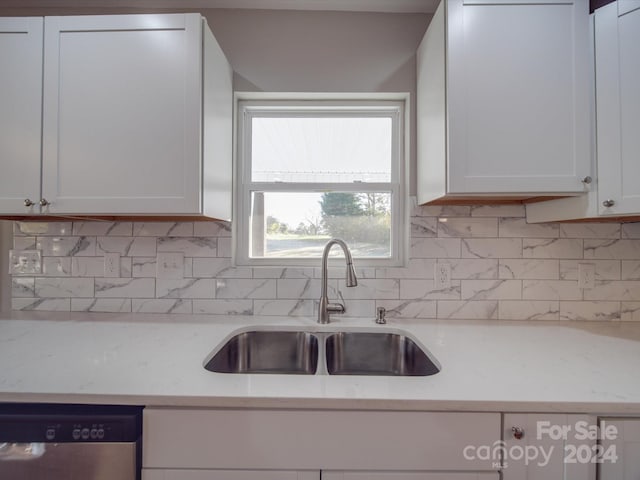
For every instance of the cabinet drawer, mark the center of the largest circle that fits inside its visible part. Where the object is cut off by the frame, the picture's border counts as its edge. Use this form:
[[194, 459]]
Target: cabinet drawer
[[316, 439]]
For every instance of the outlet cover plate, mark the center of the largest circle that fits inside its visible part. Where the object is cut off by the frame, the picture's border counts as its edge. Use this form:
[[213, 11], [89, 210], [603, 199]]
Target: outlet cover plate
[[442, 276], [170, 265]]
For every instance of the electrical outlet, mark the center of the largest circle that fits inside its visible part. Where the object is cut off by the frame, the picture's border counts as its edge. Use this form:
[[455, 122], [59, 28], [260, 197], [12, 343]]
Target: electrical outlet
[[25, 262], [586, 275], [442, 276], [170, 265], [111, 265]]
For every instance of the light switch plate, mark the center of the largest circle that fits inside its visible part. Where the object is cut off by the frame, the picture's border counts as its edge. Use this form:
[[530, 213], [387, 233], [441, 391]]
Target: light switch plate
[[170, 265], [25, 262]]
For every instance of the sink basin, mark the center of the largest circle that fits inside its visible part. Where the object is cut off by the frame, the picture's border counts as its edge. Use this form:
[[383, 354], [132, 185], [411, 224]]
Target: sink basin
[[376, 353], [300, 352], [258, 351]]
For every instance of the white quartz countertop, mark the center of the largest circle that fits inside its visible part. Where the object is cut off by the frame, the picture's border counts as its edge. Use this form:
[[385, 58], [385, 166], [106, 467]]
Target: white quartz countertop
[[157, 360]]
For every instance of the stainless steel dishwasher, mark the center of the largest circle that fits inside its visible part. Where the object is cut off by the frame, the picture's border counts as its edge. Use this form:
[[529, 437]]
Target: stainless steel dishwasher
[[70, 442]]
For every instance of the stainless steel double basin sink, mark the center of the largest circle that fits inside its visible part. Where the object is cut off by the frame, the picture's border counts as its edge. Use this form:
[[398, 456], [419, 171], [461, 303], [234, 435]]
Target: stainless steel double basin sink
[[319, 352]]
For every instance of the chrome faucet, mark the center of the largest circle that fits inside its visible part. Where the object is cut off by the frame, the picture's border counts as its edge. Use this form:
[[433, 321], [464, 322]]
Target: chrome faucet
[[325, 308]]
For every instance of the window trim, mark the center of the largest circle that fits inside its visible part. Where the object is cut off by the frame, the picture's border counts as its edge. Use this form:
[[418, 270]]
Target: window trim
[[248, 105]]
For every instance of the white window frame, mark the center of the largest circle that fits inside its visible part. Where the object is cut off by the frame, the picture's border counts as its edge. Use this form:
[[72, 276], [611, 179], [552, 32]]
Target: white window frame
[[248, 106]]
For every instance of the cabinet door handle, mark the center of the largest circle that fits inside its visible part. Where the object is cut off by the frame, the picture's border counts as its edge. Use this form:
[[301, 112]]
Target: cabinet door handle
[[518, 432], [587, 180], [44, 202], [608, 203], [28, 202]]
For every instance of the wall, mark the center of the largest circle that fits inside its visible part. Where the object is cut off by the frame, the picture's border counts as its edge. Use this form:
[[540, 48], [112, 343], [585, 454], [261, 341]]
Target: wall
[[502, 268], [6, 241]]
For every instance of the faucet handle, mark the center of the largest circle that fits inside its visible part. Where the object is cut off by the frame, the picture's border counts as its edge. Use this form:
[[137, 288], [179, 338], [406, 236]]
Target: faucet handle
[[336, 308]]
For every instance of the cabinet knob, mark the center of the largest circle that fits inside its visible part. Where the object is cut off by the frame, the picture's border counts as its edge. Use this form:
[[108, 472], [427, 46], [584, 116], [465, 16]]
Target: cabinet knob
[[518, 432], [608, 203], [587, 180], [44, 202], [28, 203]]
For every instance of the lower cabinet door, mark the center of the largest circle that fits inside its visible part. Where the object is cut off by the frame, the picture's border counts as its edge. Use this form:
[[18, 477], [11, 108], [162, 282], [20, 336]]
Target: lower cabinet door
[[337, 475], [185, 474], [620, 449], [548, 447]]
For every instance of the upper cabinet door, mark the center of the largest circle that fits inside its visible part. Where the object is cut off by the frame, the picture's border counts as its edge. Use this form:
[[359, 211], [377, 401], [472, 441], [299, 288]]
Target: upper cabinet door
[[503, 105], [518, 96], [20, 113], [122, 114], [617, 47]]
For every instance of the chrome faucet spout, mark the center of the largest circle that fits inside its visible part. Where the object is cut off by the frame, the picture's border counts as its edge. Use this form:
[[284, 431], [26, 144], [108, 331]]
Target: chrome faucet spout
[[325, 308]]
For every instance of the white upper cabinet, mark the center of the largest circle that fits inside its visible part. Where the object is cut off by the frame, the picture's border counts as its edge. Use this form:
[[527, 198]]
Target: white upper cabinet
[[503, 99], [20, 113], [617, 46], [136, 117], [616, 34]]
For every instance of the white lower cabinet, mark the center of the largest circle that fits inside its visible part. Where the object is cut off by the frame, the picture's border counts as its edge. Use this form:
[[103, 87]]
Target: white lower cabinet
[[620, 449], [549, 447], [408, 476], [230, 444], [186, 474]]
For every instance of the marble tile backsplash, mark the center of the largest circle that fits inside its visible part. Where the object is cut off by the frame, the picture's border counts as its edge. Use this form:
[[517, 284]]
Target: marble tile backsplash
[[501, 268]]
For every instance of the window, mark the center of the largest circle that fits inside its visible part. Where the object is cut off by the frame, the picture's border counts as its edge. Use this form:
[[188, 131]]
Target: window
[[312, 170]]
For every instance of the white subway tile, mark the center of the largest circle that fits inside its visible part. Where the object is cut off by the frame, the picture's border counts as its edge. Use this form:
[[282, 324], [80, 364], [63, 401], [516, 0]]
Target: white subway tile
[[53, 287], [492, 248], [630, 311], [161, 305], [600, 311], [409, 308], [225, 248], [143, 267], [42, 304], [56, 266], [67, 246], [274, 272], [365, 308], [23, 287], [631, 230], [529, 269], [440, 211], [24, 243], [127, 246], [519, 228], [463, 310], [338, 271], [87, 266], [605, 269], [189, 246], [491, 289], [290, 288], [590, 230], [424, 226], [472, 268], [163, 229], [185, 288], [552, 248], [125, 287], [614, 290], [112, 305], [292, 308], [529, 310], [416, 268], [467, 227], [426, 290], [102, 229], [551, 290], [630, 270], [223, 307], [614, 249], [236, 288], [42, 229], [219, 268], [498, 211], [435, 248], [371, 289], [211, 229]]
